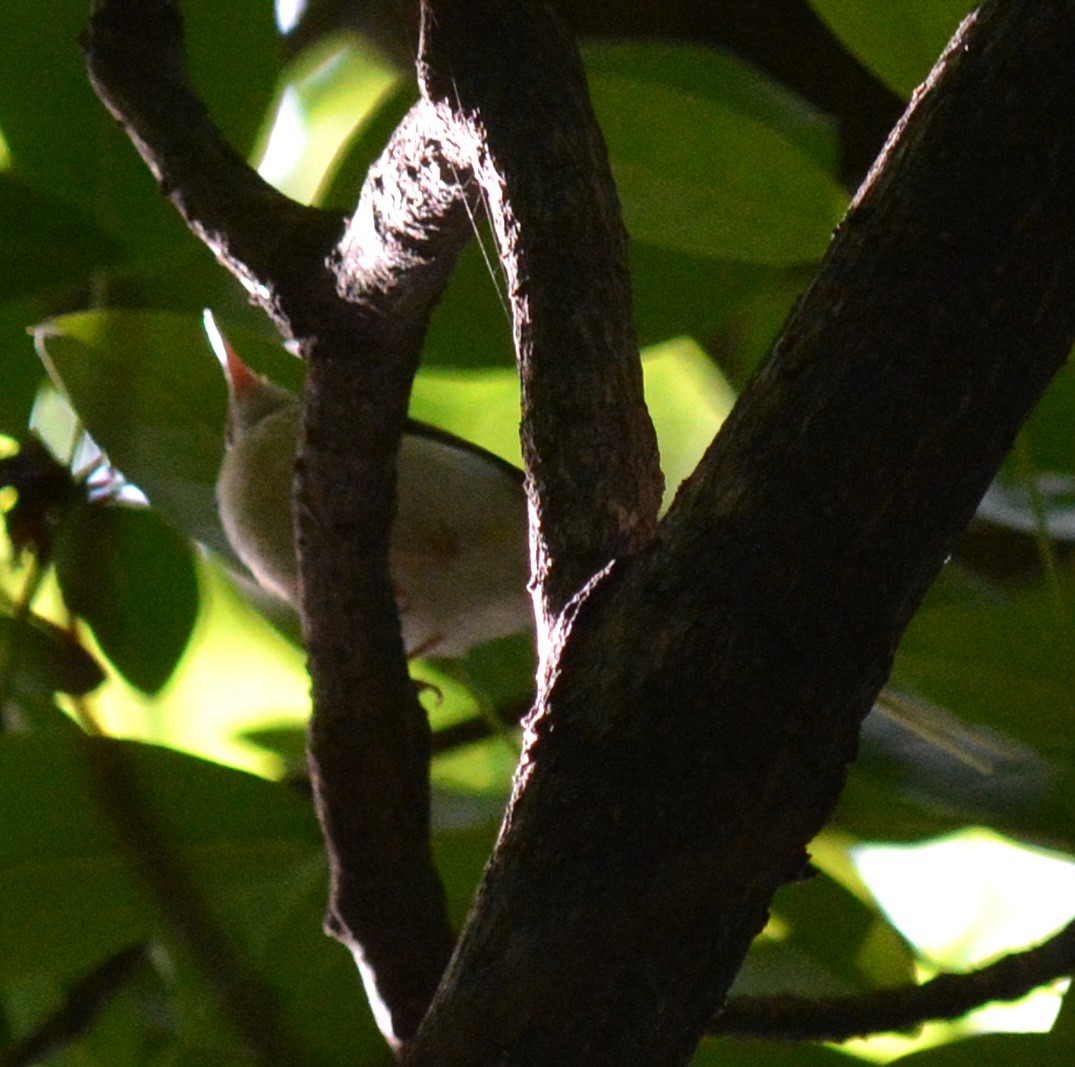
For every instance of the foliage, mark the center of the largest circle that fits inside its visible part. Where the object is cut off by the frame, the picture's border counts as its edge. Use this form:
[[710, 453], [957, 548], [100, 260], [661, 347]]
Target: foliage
[[729, 190]]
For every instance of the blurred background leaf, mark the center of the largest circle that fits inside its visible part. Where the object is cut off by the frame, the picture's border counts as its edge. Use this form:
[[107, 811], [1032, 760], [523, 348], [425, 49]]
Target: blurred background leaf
[[899, 40], [131, 577]]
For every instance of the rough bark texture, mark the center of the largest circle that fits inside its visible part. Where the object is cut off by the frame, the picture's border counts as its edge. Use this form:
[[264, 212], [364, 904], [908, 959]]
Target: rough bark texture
[[522, 118], [698, 726], [356, 298], [369, 738], [701, 696]]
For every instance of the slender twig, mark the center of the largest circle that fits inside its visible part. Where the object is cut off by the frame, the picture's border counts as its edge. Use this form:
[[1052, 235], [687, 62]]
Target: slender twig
[[247, 1002], [79, 1010], [948, 996]]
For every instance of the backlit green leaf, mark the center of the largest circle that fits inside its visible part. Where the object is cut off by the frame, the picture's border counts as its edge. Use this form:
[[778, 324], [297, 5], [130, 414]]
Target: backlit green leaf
[[697, 176], [899, 40], [131, 577]]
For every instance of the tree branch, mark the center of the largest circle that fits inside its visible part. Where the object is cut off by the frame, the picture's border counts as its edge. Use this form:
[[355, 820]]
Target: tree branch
[[247, 1003], [134, 55], [521, 115], [357, 300], [707, 702], [369, 738], [947, 996], [676, 768], [82, 1005]]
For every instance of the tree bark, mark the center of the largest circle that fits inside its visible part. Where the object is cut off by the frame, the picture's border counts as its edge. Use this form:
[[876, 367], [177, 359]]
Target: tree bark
[[696, 729], [355, 295], [702, 681]]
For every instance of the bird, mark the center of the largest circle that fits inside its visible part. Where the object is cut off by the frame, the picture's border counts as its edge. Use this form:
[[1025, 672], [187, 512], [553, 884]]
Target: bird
[[459, 545]]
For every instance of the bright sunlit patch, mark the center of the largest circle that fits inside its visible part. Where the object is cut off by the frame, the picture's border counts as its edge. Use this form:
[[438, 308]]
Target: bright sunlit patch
[[331, 91], [5, 153], [286, 140], [481, 406], [962, 901], [288, 13], [965, 898], [236, 675], [485, 768], [52, 419], [688, 399]]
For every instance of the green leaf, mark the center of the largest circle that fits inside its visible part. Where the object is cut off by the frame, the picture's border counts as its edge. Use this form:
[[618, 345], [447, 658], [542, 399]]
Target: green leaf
[[131, 576], [64, 143], [251, 848], [751, 159], [471, 326], [484, 768], [46, 659], [503, 671], [1055, 1049], [21, 370], [1002, 659], [924, 794], [687, 395], [1034, 492], [1002, 662], [688, 399], [333, 96], [837, 940], [997, 1050], [461, 855], [62, 868], [32, 713], [726, 80], [45, 243], [166, 431], [899, 40], [676, 294], [366, 144], [287, 742], [1048, 431], [233, 57], [723, 1052], [697, 176]]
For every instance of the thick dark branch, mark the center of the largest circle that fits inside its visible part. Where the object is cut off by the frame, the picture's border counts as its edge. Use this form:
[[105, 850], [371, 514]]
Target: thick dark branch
[[134, 54], [357, 301], [369, 737], [709, 697], [513, 94], [946, 997]]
